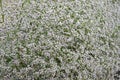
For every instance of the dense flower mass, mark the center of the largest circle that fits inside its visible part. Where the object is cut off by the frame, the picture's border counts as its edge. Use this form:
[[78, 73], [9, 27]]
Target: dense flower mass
[[60, 40]]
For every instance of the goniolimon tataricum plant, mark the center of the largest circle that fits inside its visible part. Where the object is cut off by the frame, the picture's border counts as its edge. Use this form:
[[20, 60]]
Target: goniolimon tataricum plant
[[60, 40]]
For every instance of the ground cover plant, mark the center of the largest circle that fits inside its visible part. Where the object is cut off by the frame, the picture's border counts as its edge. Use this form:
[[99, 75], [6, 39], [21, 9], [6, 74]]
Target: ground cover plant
[[60, 40]]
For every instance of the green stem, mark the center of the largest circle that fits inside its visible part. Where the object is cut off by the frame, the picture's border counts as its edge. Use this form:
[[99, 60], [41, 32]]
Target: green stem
[[1, 4], [2, 11]]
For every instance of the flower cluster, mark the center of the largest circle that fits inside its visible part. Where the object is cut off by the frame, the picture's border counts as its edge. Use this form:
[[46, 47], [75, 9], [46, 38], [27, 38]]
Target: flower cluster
[[60, 40]]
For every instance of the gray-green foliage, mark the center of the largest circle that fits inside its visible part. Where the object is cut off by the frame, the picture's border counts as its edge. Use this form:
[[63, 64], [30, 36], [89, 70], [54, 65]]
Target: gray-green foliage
[[60, 40]]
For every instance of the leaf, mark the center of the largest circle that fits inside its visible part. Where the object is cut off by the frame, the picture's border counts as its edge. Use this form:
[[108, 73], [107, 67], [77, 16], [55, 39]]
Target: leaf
[[58, 61], [87, 31], [26, 1], [113, 1], [8, 59]]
